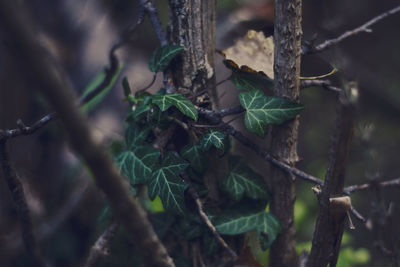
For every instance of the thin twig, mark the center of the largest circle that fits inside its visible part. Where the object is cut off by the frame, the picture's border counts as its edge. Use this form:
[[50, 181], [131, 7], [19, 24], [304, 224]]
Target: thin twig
[[217, 114], [355, 188], [155, 20], [323, 83], [101, 248], [205, 218], [27, 130], [17, 194], [363, 28], [268, 157], [357, 215], [215, 118]]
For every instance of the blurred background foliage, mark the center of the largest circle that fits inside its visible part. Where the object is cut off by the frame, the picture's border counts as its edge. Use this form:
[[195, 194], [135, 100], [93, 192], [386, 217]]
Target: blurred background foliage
[[66, 206]]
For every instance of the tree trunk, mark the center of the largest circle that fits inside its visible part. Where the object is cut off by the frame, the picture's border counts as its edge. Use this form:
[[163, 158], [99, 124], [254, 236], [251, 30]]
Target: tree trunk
[[192, 25], [287, 39]]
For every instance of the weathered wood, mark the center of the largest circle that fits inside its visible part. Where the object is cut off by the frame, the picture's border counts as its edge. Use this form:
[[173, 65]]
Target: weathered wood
[[192, 25], [287, 40], [330, 222]]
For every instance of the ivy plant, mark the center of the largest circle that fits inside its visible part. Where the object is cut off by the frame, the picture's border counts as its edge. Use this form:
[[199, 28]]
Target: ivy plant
[[179, 167]]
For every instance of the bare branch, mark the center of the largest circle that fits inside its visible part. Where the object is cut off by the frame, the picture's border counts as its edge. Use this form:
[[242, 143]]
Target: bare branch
[[330, 222], [101, 248], [206, 220], [19, 200], [27, 130], [155, 21], [214, 118], [355, 188], [59, 94], [363, 28], [323, 83]]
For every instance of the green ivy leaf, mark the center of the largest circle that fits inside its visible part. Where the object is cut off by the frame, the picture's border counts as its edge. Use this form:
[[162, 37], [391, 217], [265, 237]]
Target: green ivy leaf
[[213, 138], [166, 183], [179, 101], [249, 81], [137, 164], [234, 222], [162, 56], [196, 156], [244, 181], [262, 110], [135, 135]]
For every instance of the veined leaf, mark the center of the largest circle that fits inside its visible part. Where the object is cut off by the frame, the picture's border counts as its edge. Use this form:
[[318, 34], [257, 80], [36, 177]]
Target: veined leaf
[[236, 222], [135, 134], [213, 138], [162, 56], [87, 107], [262, 110], [179, 101], [249, 81], [244, 181], [166, 183], [196, 156], [138, 163]]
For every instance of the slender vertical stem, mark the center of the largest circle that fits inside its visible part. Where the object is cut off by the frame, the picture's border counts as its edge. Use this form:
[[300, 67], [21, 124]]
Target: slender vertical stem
[[287, 39]]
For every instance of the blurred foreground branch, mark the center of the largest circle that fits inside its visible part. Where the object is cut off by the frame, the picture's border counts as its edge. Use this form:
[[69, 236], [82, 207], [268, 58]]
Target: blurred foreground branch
[[32, 57], [101, 248]]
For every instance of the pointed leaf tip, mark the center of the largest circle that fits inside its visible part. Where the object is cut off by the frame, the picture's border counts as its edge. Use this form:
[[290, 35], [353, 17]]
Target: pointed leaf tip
[[167, 183], [262, 110], [164, 102], [162, 57]]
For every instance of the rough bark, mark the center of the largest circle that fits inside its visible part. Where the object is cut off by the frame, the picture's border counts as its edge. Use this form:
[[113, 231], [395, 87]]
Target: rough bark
[[46, 76], [192, 25], [330, 222], [287, 39]]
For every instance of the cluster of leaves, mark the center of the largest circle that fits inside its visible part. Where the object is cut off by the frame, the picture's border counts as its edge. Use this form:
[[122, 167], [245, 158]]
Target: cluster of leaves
[[244, 192]]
